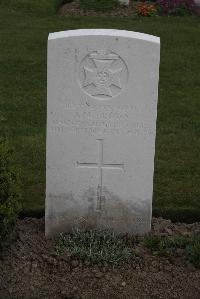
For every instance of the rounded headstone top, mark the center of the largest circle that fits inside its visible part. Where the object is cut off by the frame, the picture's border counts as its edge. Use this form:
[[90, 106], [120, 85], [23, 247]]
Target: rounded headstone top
[[104, 32]]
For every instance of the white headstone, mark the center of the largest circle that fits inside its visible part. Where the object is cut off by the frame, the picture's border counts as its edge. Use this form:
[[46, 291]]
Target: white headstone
[[197, 2], [101, 128], [125, 2]]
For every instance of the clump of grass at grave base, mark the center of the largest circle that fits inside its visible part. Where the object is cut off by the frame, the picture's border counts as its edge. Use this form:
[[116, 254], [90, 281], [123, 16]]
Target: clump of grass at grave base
[[167, 246], [10, 194], [98, 5], [95, 247], [193, 250]]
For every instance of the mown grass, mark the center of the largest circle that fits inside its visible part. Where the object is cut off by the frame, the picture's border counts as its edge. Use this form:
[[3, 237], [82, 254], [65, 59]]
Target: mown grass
[[24, 28]]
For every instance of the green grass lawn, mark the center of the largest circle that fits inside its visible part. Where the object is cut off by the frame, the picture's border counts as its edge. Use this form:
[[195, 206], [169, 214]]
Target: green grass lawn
[[24, 28]]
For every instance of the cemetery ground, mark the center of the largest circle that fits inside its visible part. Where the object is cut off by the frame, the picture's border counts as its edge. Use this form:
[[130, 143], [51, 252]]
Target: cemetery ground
[[30, 267], [34, 267]]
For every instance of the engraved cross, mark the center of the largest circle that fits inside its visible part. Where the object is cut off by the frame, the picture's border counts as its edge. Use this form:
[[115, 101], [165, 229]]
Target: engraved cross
[[100, 165]]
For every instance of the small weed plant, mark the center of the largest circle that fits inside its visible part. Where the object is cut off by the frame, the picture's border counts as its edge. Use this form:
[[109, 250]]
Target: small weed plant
[[193, 250], [167, 246], [94, 246]]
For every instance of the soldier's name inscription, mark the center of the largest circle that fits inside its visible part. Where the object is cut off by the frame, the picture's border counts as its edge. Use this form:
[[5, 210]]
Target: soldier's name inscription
[[105, 119]]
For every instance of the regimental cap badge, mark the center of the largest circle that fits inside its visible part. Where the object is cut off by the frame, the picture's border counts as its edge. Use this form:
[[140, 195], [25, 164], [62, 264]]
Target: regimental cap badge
[[103, 75]]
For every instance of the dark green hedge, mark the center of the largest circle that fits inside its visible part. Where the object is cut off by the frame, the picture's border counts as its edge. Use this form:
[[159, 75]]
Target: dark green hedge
[[98, 5]]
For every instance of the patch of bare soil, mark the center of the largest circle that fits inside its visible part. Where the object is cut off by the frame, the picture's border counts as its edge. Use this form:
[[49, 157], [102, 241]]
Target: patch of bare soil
[[30, 268], [73, 9]]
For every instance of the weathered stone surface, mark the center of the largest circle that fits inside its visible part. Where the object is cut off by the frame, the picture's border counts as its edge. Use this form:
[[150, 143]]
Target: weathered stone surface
[[101, 128], [126, 2]]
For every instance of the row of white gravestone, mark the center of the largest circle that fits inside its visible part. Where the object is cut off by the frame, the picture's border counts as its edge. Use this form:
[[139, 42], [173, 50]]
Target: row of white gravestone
[[101, 128], [126, 2]]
